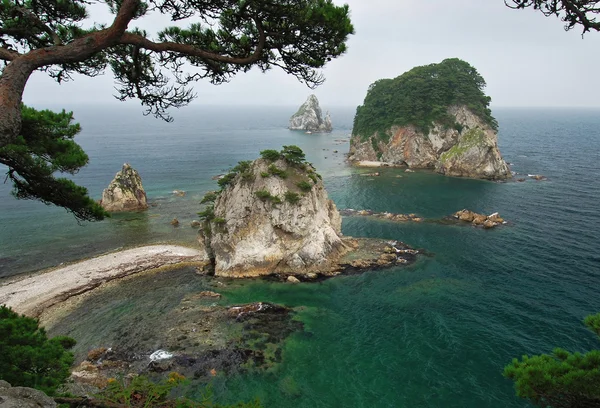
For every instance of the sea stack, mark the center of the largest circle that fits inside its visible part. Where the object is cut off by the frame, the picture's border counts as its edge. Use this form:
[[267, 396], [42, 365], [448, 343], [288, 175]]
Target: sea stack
[[310, 118], [453, 131], [272, 215], [125, 192]]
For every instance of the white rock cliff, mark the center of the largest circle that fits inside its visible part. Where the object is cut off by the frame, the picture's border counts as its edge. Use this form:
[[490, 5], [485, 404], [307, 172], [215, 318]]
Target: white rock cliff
[[125, 192], [310, 117], [254, 236], [471, 150]]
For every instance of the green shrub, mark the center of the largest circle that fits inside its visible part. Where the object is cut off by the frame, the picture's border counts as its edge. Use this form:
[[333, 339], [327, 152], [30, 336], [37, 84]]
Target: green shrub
[[247, 176], [242, 167], [270, 155], [226, 180], [293, 154], [209, 197], [208, 214], [28, 357], [276, 171], [313, 177], [263, 194], [291, 197], [264, 174], [219, 220], [304, 186]]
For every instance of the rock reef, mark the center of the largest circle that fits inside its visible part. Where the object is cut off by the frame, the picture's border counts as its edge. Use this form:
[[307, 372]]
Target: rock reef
[[468, 150], [125, 192], [479, 220], [310, 117]]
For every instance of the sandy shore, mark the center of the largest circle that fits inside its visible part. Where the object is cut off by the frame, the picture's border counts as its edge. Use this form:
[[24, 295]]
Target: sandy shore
[[369, 163], [32, 294]]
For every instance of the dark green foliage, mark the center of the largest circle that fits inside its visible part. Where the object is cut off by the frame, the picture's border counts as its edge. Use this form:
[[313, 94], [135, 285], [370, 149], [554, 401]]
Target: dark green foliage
[[247, 176], [304, 186], [46, 146], [291, 197], [421, 96], [28, 358], [140, 392], [226, 180], [242, 166], [264, 195], [208, 214], [219, 220], [276, 171], [561, 379], [270, 155], [264, 174], [209, 197], [293, 155], [313, 177]]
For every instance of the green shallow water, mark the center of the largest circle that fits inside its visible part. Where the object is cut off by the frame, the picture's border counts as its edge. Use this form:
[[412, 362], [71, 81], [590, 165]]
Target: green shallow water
[[435, 334]]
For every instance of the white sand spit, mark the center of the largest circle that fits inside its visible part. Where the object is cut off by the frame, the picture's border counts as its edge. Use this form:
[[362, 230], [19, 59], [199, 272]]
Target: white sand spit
[[32, 294]]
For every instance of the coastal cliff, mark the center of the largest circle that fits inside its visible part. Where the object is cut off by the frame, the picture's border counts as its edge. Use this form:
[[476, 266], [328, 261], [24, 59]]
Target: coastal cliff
[[432, 117], [125, 192], [274, 215], [310, 117]]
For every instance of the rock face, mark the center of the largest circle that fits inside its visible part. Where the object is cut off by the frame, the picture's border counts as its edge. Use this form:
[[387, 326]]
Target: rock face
[[469, 149], [310, 118], [23, 397], [265, 223], [125, 192]]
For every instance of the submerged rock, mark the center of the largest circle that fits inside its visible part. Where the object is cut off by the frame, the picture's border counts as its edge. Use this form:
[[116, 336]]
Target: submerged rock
[[125, 192], [310, 118]]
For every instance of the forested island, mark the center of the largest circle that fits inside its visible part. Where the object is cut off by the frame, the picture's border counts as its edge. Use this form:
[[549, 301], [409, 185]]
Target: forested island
[[434, 116]]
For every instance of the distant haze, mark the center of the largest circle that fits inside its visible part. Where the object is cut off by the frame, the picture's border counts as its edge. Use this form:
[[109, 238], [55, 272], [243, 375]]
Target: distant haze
[[525, 58]]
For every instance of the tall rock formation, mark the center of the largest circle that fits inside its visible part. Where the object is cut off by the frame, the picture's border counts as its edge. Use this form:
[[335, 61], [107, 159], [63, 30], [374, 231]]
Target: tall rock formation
[[470, 149], [274, 216], [125, 192], [310, 118], [431, 117]]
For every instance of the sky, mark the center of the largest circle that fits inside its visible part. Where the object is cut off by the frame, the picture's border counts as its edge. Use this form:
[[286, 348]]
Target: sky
[[527, 59]]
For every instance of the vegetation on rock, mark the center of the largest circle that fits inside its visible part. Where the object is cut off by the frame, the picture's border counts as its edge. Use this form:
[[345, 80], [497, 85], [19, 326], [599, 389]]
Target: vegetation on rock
[[561, 379], [45, 146], [421, 97], [28, 357]]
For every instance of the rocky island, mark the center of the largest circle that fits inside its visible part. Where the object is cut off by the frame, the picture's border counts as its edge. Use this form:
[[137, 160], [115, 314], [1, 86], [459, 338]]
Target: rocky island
[[273, 217], [125, 192], [431, 117], [310, 118]]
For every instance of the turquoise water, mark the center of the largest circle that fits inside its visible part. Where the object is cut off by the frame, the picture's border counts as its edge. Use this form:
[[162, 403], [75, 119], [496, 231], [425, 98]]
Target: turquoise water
[[436, 334]]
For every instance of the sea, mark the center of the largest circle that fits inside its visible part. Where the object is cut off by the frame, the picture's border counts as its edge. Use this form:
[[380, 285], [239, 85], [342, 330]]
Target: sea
[[435, 334]]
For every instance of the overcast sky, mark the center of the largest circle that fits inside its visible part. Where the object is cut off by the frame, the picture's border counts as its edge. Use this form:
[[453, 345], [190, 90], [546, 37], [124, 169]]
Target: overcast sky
[[526, 59]]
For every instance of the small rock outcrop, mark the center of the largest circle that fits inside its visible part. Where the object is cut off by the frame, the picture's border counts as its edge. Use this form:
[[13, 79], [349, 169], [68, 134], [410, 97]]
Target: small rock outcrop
[[272, 216], [479, 220], [23, 397], [125, 192], [310, 118]]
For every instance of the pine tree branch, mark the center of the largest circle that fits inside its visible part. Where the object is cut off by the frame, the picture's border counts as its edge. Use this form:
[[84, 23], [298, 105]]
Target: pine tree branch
[[40, 24], [193, 51], [8, 55]]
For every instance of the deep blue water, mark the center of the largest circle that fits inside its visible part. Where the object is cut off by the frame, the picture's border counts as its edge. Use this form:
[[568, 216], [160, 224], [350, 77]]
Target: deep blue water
[[436, 334]]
